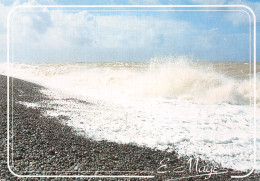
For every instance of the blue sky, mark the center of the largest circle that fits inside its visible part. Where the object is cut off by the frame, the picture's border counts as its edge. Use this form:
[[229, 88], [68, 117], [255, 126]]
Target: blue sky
[[83, 35]]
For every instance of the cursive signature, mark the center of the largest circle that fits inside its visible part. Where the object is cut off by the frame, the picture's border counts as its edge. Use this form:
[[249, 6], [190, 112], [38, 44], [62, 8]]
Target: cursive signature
[[193, 168]]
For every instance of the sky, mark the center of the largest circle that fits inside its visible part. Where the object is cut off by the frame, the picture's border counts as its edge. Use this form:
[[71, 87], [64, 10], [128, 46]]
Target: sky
[[114, 34]]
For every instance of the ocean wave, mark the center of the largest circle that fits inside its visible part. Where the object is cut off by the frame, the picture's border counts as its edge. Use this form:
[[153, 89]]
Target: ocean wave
[[169, 77]]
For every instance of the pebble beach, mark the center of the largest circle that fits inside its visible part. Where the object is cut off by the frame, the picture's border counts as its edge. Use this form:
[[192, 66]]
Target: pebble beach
[[43, 145]]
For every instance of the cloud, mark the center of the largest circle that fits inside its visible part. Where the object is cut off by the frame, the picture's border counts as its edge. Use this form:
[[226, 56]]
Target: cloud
[[89, 36], [75, 28], [57, 35], [4, 10], [3, 16], [86, 32], [138, 31], [38, 21]]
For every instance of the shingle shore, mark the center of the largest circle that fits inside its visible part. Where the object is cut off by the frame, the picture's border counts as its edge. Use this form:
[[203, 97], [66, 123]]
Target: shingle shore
[[43, 145]]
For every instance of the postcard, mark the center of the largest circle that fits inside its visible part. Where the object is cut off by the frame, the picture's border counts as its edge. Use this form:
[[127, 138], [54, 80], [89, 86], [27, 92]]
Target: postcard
[[130, 90]]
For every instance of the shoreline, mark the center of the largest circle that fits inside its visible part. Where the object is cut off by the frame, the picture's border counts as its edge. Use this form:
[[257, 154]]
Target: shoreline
[[44, 144]]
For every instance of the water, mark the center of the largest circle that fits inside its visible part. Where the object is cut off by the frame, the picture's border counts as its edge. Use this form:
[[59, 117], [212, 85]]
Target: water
[[198, 108]]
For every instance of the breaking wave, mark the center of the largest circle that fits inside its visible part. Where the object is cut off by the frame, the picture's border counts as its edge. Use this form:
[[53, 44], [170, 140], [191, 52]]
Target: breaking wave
[[163, 77]]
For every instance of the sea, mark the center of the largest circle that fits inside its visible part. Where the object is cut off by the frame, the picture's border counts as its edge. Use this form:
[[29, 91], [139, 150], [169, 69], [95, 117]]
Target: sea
[[197, 108]]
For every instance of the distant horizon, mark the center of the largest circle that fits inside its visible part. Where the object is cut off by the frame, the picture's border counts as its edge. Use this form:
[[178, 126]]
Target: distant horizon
[[191, 58], [66, 61]]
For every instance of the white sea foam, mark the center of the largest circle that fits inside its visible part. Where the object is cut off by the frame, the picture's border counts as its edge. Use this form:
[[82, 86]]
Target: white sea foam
[[29, 104], [162, 77], [168, 101]]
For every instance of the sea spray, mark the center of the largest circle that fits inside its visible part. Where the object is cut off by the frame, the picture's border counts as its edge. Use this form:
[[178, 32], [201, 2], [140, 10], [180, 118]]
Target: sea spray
[[172, 77]]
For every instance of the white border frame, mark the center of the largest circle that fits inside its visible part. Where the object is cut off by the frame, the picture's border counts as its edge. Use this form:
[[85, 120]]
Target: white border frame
[[122, 6]]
